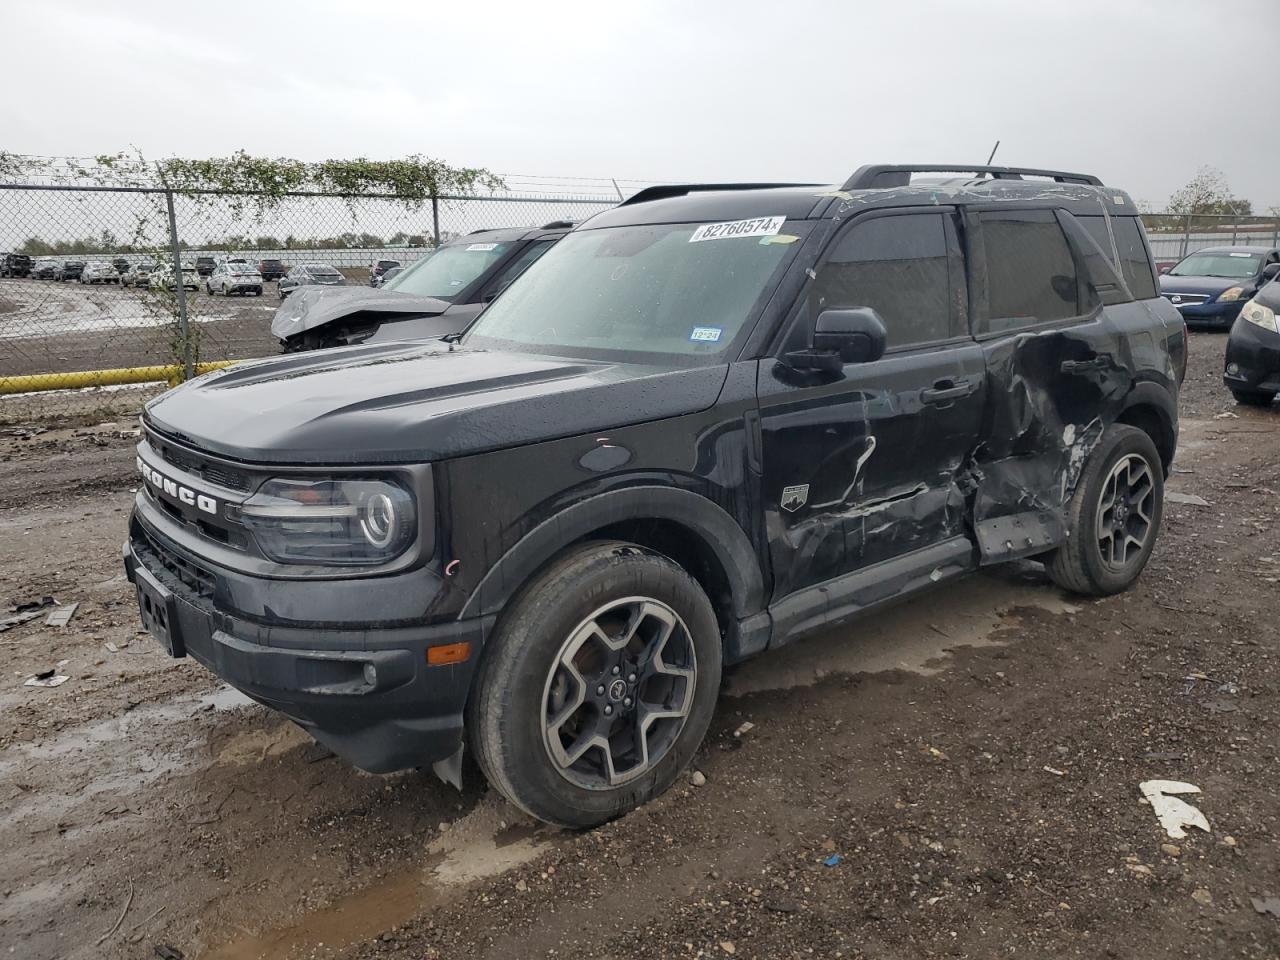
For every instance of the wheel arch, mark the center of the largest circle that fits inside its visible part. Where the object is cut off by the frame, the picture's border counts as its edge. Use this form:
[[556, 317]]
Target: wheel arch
[[684, 526], [1152, 410]]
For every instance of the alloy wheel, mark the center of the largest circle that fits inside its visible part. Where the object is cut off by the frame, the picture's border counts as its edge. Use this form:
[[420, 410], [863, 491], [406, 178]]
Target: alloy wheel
[[1125, 510], [618, 693]]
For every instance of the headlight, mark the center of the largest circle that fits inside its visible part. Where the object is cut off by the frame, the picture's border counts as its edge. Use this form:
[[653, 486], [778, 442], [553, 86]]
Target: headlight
[[1264, 317], [1227, 296], [331, 522]]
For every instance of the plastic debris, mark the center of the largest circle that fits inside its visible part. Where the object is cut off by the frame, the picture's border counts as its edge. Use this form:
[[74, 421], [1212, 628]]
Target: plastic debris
[[166, 952], [47, 678], [1226, 415], [1266, 904], [1190, 499], [26, 612], [62, 615], [746, 727], [1055, 771], [1173, 812], [832, 860]]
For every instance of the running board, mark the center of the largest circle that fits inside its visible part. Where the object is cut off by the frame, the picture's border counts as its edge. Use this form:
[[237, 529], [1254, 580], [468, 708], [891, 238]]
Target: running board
[[831, 603]]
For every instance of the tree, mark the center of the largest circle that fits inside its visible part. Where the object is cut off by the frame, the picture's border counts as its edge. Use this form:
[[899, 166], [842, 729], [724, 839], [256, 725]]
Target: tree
[[1208, 194]]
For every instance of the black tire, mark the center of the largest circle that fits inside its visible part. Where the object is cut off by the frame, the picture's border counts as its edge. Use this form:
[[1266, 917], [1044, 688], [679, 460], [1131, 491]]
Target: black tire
[[506, 715], [1079, 565], [1253, 398]]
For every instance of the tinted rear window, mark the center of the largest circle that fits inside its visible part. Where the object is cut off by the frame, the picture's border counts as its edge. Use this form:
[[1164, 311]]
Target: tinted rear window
[[1134, 264], [1031, 275]]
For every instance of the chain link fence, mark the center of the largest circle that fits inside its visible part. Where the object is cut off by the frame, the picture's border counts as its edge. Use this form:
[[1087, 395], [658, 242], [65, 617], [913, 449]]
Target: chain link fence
[[92, 324], [1174, 235]]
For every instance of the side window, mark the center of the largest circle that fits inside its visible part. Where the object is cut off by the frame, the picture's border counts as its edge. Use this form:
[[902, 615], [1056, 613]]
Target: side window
[[1134, 262], [1030, 273], [898, 266], [519, 265]]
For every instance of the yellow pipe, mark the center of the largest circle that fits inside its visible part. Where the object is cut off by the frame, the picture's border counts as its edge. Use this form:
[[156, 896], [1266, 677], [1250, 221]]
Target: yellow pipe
[[76, 380]]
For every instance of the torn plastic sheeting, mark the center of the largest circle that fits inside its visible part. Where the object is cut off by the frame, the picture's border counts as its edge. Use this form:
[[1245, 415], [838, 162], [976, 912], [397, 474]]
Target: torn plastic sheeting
[[1173, 812], [61, 616]]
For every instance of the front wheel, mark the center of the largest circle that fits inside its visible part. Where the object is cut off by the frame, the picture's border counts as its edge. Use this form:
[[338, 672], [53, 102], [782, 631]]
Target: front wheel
[[597, 686], [1114, 515], [1253, 398]]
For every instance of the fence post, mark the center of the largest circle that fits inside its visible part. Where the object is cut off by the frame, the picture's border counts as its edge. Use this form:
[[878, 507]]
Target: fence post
[[435, 218], [1186, 235], [1234, 230], [181, 291]]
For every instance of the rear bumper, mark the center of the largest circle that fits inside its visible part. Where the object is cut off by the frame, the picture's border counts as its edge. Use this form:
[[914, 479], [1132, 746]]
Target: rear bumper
[[1252, 360], [365, 692]]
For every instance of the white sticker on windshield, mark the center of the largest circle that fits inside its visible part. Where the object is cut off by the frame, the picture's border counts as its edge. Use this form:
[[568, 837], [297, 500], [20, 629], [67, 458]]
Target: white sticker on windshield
[[706, 334], [481, 247], [1242, 254], [758, 227]]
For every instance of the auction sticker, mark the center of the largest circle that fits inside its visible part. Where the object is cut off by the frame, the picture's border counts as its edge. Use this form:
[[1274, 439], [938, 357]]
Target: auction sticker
[[483, 247], [706, 334], [757, 227]]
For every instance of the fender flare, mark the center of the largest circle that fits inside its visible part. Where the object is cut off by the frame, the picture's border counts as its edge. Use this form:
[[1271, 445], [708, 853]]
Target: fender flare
[[704, 520], [1158, 398]]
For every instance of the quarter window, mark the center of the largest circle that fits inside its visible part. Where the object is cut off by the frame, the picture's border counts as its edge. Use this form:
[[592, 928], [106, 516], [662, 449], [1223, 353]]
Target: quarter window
[[1030, 273], [1134, 262], [898, 266]]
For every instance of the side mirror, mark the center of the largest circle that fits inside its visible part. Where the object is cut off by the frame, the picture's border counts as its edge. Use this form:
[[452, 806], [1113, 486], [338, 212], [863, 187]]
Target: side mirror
[[1165, 269], [854, 335], [1270, 271]]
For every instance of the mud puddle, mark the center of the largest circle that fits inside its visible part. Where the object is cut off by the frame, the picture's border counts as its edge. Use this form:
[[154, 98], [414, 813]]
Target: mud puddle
[[490, 839]]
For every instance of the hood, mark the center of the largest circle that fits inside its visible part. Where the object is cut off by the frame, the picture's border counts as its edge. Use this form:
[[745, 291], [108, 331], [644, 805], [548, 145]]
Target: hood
[[1269, 295], [1208, 285], [417, 401], [313, 306]]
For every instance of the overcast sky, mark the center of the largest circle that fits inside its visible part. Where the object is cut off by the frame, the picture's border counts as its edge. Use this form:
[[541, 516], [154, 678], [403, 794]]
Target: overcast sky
[[1140, 92]]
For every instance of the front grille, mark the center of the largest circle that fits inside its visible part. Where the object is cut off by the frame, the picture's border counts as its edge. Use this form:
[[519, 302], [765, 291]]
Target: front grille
[[199, 465], [160, 560], [1182, 299]]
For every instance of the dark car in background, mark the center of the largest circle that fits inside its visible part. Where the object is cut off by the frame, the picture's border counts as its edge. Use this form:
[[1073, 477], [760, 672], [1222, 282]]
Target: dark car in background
[[438, 294], [378, 270], [271, 269], [310, 275], [1210, 286], [1252, 364], [15, 265], [709, 422], [44, 268], [121, 265], [70, 270], [205, 266]]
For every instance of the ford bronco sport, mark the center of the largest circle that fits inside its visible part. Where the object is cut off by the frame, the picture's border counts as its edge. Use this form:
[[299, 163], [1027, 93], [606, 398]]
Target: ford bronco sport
[[706, 423]]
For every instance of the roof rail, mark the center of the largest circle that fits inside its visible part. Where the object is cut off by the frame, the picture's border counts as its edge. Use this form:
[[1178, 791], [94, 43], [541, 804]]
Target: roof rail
[[884, 175], [663, 191]]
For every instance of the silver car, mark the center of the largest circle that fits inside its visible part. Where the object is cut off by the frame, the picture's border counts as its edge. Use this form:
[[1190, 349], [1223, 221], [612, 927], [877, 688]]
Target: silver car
[[138, 275], [99, 271], [234, 276]]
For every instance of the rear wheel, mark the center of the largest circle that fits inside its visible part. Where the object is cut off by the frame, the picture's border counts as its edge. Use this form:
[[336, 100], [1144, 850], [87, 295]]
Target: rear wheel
[[1114, 516], [1253, 398], [597, 686]]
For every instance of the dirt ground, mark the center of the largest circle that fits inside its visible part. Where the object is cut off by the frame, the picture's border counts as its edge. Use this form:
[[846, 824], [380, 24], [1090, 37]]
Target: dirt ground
[[956, 777]]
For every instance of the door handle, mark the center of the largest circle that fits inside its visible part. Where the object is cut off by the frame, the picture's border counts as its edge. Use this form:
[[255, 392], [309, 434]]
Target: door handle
[[1101, 362], [944, 391]]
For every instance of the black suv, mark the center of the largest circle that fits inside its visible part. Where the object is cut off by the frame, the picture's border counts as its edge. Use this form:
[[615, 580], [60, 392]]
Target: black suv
[[436, 295], [14, 265], [707, 422]]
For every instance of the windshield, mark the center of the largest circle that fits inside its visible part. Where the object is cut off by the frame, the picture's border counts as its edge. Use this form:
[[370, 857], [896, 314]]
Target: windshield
[[1231, 266], [684, 290], [320, 270], [447, 271]]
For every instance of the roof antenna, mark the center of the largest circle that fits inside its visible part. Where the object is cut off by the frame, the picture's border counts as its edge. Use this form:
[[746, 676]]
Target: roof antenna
[[993, 153]]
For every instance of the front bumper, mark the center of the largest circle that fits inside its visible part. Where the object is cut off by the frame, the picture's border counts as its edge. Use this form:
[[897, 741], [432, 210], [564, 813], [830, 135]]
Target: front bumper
[[1211, 314], [363, 690], [1252, 361]]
